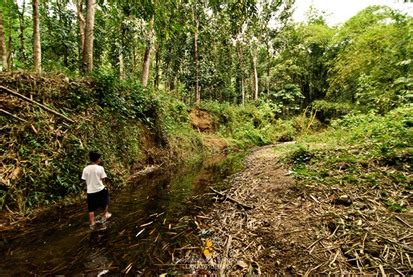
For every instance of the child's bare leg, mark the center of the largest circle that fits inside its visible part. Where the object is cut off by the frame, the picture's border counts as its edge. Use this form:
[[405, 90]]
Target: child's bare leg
[[92, 218], [106, 213]]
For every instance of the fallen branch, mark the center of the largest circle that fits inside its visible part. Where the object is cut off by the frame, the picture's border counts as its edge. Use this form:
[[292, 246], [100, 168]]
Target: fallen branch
[[12, 92], [12, 115], [231, 199]]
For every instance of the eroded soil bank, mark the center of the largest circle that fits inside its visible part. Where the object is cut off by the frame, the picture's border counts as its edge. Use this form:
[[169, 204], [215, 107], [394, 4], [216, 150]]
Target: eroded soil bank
[[295, 229]]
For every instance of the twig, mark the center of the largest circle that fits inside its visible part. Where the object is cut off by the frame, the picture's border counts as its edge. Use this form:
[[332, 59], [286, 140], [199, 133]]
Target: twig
[[12, 115], [404, 222], [315, 199], [314, 243], [128, 268], [140, 232], [335, 257], [232, 199], [312, 269], [224, 258], [35, 103], [382, 270], [396, 243], [146, 224]]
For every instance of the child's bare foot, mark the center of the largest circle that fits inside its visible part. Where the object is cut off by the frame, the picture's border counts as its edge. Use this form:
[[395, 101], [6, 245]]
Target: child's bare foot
[[107, 215]]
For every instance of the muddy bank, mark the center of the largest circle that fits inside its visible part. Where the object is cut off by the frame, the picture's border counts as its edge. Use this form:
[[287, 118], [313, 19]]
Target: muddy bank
[[295, 229]]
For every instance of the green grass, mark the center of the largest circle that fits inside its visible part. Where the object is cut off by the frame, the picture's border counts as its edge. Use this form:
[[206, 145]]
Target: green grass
[[365, 151]]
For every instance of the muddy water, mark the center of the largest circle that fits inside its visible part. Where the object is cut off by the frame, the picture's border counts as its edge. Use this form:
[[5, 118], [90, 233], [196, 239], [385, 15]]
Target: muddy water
[[140, 237]]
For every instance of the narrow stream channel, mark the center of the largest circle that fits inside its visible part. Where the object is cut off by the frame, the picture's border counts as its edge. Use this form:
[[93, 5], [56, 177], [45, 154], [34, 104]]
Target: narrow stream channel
[[60, 242]]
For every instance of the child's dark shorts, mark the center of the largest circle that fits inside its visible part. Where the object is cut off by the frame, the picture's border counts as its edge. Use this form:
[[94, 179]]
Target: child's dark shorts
[[97, 200]]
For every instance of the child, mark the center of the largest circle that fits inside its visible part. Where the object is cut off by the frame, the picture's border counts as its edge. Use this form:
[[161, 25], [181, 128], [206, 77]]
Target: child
[[97, 194]]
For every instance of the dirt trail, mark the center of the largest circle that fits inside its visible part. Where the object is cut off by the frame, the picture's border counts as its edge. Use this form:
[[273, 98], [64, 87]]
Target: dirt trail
[[292, 229], [272, 237]]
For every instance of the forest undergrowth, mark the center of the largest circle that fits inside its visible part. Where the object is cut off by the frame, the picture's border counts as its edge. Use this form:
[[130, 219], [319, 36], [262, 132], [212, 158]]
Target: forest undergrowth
[[42, 154]]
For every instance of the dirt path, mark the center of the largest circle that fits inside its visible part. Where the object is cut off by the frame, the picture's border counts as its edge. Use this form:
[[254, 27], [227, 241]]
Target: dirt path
[[274, 236], [292, 229]]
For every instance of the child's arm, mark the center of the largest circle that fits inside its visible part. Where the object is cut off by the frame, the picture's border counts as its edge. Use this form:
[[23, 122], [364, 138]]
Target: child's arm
[[103, 174], [83, 175]]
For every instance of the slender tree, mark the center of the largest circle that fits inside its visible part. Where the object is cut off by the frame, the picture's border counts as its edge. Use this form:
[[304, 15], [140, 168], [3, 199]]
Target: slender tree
[[3, 49], [254, 71], [196, 59], [82, 23], [157, 62], [37, 52], [240, 71], [88, 45], [147, 55], [122, 75], [22, 27]]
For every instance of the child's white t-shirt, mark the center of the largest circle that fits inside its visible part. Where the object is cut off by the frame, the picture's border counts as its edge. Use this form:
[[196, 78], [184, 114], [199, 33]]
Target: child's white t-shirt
[[93, 174]]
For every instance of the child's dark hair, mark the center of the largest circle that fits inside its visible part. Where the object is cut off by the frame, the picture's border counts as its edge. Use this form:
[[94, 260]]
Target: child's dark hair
[[94, 156]]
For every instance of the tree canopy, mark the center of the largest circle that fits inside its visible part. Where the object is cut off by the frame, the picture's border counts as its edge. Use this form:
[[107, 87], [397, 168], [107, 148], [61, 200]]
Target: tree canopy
[[233, 51]]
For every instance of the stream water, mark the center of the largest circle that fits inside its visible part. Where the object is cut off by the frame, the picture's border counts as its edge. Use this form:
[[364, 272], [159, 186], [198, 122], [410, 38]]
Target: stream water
[[140, 236]]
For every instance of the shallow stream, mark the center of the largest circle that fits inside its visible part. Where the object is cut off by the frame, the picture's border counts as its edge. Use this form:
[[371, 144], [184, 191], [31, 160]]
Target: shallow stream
[[140, 236]]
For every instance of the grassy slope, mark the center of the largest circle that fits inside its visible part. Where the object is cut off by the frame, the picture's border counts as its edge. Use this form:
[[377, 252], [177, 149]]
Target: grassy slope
[[367, 151]]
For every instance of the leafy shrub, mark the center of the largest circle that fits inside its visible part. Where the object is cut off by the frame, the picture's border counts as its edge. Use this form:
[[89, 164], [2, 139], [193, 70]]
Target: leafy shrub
[[327, 111], [301, 156]]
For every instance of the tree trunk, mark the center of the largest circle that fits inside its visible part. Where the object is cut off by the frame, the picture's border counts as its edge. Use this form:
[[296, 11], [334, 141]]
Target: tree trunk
[[121, 66], [37, 51], [81, 19], [196, 61], [147, 56], [3, 49], [88, 45], [9, 48], [240, 58], [22, 55], [157, 62], [133, 60], [268, 80], [255, 74]]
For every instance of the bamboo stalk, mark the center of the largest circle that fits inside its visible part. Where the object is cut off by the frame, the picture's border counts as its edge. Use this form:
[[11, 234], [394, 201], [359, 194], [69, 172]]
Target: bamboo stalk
[[15, 93]]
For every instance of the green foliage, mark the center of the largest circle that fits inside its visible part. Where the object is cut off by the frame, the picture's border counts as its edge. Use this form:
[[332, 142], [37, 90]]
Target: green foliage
[[365, 150], [128, 99], [288, 98], [250, 124], [298, 74], [330, 110], [369, 53]]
